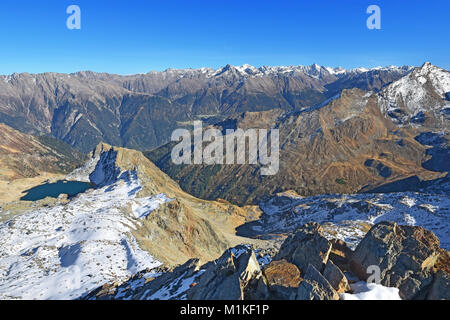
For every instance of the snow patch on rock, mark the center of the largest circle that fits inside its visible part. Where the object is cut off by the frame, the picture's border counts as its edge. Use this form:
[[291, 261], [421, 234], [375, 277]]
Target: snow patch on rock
[[370, 291]]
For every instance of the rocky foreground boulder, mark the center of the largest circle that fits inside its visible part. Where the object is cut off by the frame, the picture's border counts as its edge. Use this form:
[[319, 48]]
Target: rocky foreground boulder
[[307, 267], [336, 277], [316, 287], [406, 257], [307, 246], [282, 280]]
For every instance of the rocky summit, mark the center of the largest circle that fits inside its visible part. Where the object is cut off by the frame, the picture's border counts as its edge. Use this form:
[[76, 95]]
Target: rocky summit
[[407, 257]]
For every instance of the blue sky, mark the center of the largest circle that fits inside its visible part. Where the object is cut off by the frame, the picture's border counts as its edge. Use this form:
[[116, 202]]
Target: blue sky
[[137, 36]]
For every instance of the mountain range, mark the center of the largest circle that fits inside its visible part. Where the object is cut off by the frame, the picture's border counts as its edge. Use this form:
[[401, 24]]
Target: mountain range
[[355, 142], [141, 111]]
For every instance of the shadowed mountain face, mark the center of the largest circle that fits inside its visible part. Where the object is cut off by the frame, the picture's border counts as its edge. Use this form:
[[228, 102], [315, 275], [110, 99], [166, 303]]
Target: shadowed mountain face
[[354, 143], [141, 111]]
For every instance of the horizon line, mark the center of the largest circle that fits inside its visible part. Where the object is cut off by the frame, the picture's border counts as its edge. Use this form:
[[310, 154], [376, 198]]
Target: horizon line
[[220, 68]]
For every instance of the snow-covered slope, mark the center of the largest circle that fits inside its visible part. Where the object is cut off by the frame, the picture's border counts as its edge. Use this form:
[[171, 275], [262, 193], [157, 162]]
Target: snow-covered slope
[[346, 217], [64, 251], [425, 89], [135, 213]]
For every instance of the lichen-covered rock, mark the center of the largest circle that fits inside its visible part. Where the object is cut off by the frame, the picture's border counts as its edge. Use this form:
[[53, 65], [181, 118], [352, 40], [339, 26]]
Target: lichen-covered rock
[[315, 287], [283, 279], [306, 246]]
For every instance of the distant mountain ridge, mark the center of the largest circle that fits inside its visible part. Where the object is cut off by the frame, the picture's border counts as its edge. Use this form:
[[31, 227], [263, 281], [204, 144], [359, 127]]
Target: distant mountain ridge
[[141, 111]]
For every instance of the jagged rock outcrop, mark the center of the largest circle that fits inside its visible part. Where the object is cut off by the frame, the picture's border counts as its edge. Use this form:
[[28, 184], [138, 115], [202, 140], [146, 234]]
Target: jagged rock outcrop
[[409, 257], [307, 246], [236, 275], [225, 278], [183, 228], [335, 277], [315, 287], [309, 250], [405, 256]]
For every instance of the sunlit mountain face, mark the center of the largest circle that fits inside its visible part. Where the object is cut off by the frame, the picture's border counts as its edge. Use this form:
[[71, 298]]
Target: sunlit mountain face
[[141, 111]]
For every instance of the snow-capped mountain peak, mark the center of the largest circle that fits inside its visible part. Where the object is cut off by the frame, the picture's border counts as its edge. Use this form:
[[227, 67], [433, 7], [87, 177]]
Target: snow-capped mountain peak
[[424, 90], [246, 70]]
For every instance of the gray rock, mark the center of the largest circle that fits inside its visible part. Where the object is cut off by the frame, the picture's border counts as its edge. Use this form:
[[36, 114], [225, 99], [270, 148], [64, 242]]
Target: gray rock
[[405, 256], [315, 287], [230, 277], [306, 246], [166, 280], [227, 277], [336, 277], [440, 289]]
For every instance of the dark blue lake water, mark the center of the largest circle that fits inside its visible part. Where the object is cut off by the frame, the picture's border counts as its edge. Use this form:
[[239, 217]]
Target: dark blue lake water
[[71, 188]]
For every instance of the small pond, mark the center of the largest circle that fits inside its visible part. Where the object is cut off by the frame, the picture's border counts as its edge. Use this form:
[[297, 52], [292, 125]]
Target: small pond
[[71, 188]]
